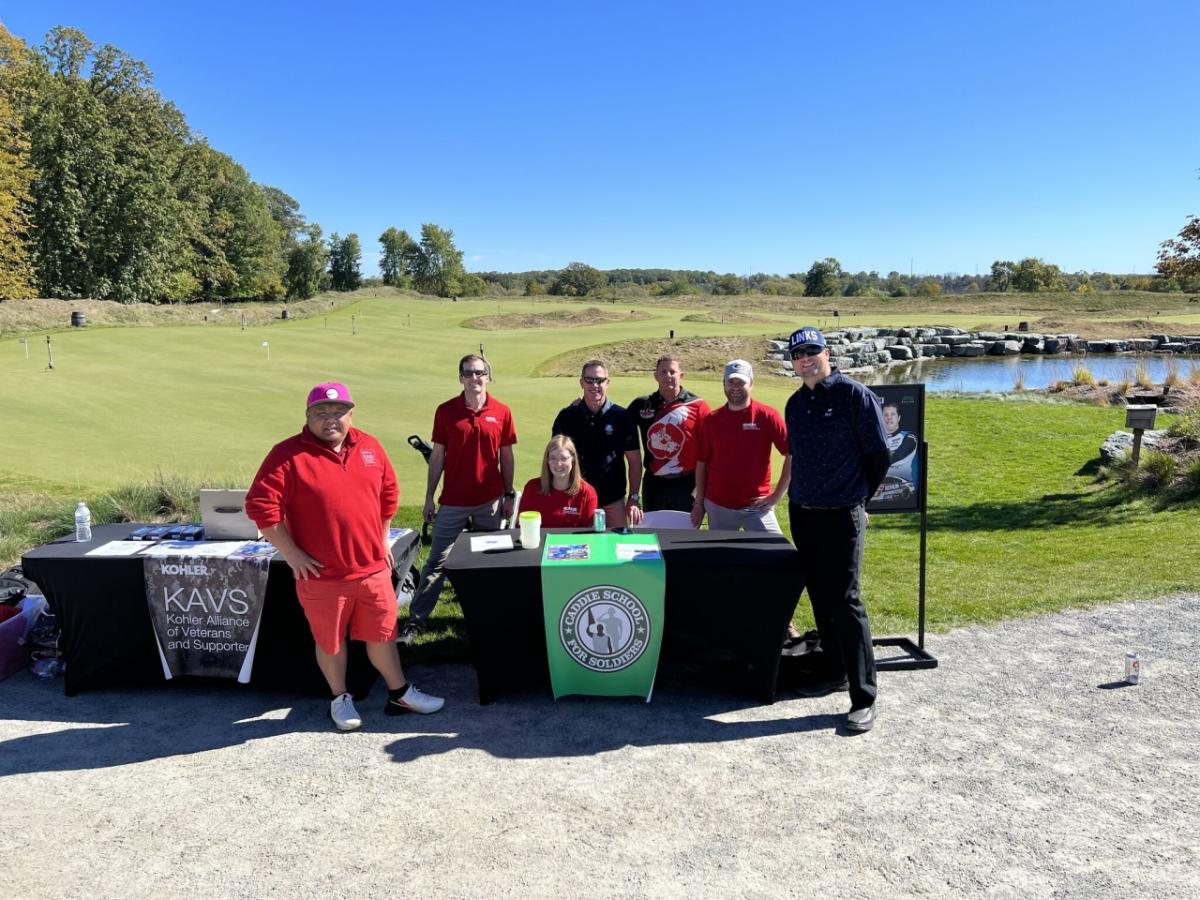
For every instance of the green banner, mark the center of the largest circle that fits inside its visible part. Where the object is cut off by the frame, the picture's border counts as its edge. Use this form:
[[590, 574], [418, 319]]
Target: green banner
[[602, 598]]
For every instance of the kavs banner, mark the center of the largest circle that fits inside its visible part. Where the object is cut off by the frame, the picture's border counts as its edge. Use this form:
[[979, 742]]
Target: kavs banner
[[602, 598], [206, 612]]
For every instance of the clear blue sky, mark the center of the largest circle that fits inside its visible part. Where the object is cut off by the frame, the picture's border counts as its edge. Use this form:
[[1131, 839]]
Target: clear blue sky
[[735, 137]]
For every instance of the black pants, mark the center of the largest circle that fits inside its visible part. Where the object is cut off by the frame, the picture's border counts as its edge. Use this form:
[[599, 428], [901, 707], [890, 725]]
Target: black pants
[[830, 542], [668, 493]]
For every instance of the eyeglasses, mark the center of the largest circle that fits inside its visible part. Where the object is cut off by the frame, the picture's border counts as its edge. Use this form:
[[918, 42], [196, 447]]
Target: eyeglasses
[[593, 379], [332, 415], [808, 351], [473, 373]]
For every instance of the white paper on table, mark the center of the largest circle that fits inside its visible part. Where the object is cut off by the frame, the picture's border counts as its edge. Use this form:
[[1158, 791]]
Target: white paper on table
[[491, 542], [118, 548], [194, 548], [626, 552]]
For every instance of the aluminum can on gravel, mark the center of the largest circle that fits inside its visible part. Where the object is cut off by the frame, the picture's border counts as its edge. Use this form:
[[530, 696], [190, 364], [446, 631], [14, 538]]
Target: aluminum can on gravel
[[599, 521], [1133, 668]]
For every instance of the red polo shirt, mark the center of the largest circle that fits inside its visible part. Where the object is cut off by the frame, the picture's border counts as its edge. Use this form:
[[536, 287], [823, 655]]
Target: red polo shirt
[[472, 438], [333, 504], [736, 447], [558, 508]]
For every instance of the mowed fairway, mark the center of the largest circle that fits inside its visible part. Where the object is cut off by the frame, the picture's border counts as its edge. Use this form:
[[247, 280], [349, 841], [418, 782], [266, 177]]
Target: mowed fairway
[[205, 401], [1017, 523]]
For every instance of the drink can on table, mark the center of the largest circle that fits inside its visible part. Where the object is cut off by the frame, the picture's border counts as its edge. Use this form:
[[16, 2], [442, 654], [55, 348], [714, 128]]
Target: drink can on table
[[599, 521], [1133, 667]]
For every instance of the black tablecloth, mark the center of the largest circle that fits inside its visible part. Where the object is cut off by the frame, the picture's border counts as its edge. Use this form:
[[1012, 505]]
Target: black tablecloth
[[729, 596], [107, 636]]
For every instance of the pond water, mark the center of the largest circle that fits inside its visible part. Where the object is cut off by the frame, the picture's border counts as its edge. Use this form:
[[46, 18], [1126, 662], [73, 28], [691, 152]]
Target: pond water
[[1000, 373]]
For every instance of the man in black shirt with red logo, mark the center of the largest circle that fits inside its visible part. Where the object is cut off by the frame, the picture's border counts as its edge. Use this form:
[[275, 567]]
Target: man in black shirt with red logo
[[669, 422]]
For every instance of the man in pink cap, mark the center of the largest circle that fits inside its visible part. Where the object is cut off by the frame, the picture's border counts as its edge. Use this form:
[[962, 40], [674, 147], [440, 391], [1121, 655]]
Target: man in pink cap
[[325, 497]]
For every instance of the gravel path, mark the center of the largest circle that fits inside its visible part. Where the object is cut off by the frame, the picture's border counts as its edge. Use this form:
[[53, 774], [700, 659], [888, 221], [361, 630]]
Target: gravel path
[[1016, 769]]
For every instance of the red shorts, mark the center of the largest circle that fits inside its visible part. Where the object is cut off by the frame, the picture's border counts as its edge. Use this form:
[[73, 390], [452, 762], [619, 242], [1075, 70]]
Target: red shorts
[[364, 606]]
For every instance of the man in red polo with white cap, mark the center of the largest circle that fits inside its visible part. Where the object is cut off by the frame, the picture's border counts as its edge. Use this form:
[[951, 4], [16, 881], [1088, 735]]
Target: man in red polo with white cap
[[733, 463], [325, 497]]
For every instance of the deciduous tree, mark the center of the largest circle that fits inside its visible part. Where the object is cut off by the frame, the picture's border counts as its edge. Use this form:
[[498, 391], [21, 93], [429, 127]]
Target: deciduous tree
[[823, 278], [398, 260], [1179, 258], [16, 271], [305, 265], [345, 255], [438, 268], [578, 280]]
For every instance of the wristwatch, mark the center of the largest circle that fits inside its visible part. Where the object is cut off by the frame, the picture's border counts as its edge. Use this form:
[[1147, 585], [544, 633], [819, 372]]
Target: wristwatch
[[635, 498], [508, 495]]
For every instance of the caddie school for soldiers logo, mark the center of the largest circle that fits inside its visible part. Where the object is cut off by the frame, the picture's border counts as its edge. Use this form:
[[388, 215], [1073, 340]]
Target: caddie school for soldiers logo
[[604, 628]]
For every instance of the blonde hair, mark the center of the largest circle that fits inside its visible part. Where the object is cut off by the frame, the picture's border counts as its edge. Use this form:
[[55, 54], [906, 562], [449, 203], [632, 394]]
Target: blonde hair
[[575, 478]]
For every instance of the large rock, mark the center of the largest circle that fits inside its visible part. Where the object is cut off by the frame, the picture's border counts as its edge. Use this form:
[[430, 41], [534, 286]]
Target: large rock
[[1033, 344], [1172, 347], [1010, 348], [975, 348], [956, 339], [935, 349], [1143, 344], [899, 351], [1119, 444], [989, 336], [1052, 345]]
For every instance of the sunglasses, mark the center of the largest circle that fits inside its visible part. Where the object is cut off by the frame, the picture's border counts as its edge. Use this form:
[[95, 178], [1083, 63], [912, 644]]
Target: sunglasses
[[593, 379], [473, 373], [329, 414], [807, 351]]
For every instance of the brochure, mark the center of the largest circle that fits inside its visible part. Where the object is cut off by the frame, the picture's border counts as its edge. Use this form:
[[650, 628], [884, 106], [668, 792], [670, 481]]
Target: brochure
[[480, 542]]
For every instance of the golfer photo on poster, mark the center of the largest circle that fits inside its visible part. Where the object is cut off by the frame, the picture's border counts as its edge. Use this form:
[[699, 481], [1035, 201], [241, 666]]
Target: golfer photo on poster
[[904, 421]]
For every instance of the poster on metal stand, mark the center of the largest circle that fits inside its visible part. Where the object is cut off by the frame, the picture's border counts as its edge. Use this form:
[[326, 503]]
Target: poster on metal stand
[[905, 489]]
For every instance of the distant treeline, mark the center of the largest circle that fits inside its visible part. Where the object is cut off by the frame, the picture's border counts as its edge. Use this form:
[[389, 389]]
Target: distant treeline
[[824, 278]]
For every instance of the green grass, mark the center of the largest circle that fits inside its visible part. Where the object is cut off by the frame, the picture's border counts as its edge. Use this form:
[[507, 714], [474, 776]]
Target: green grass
[[136, 419]]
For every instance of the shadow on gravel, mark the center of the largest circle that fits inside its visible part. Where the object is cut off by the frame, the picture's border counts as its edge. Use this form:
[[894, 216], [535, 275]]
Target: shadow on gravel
[[120, 727], [116, 727], [532, 725]]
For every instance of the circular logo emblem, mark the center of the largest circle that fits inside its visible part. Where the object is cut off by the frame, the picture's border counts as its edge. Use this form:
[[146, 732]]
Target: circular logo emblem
[[604, 628], [331, 393], [664, 439]]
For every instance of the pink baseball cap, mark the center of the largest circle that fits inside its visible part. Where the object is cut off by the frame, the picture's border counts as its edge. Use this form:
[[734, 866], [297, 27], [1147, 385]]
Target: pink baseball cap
[[329, 392]]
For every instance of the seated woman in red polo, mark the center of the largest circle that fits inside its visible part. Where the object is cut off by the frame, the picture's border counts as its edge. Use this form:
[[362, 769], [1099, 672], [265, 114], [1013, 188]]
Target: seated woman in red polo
[[560, 494]]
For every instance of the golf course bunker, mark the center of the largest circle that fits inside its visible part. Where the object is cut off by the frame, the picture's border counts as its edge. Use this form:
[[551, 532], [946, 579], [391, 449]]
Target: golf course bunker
[[697, 354], [557, 318], [723, 317]]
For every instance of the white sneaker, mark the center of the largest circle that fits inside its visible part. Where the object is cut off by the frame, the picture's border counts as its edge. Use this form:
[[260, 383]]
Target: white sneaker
[[343, 713], [413, 701], [861, 719]]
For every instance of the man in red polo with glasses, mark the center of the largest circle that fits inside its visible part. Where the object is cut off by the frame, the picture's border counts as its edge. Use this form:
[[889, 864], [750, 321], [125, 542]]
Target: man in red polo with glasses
[[325, 497], [473, 437]]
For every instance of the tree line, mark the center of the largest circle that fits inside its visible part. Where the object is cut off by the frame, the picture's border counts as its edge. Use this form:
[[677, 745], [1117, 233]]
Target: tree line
[[105, 192], [824, 278]]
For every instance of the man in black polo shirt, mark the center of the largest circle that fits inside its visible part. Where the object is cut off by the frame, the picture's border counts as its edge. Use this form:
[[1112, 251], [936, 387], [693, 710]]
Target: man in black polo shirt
[[839, 457], [607, 442]]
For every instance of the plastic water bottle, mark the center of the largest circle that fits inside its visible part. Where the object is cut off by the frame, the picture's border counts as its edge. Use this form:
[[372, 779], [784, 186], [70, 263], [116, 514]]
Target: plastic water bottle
[[83, 523]]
